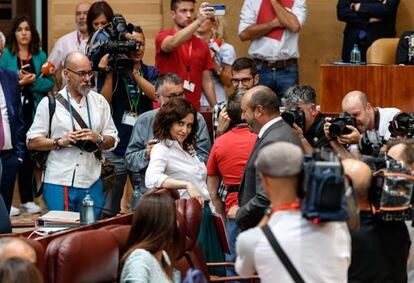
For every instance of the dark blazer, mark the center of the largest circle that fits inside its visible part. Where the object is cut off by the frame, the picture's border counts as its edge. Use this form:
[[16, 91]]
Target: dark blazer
[[11, 90], [357, 21], [252, 199], [402, 49]]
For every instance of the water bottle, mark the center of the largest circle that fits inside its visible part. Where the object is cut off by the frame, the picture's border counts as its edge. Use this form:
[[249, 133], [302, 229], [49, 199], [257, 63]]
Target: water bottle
[[87, 212], [355, 55]]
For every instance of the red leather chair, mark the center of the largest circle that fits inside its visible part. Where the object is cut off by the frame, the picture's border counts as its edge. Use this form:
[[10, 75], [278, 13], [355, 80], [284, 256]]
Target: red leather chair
[[84, 256], [189, 214], [40, 254], [120, 232]]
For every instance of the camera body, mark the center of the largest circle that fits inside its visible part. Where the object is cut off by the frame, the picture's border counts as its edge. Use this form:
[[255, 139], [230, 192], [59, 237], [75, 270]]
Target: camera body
[[87, 145], [338, 125], [112, 39], [391, 193], [402, 125], [296, 116], [324, 188]]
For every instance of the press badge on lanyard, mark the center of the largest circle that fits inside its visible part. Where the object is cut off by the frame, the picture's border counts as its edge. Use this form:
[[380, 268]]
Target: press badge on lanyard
[[134, 93], [188, 85]]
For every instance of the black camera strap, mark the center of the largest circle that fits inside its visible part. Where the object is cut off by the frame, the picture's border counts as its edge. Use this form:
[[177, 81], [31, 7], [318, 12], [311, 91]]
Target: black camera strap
[[376, 118], [282, 255], [78, 118]]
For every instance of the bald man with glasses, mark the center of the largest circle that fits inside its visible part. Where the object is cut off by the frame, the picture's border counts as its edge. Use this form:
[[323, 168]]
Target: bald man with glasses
[[168, 86], [73, 164]]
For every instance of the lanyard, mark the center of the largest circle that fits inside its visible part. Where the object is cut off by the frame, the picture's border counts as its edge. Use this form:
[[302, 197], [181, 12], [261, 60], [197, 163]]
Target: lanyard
[[71, 111], [287, 206], [190, 50], [134, 93], [28, 57]]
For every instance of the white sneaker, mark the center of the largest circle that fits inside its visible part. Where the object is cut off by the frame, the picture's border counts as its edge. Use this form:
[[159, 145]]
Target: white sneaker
[[14, 211], [31, 207]]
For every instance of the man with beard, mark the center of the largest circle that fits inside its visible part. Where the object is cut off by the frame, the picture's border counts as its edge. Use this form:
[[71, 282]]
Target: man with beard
[[179, 51], [73, 165], [260, 110]]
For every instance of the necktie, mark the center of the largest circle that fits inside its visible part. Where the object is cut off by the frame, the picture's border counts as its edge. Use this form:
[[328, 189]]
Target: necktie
[[1, 132]]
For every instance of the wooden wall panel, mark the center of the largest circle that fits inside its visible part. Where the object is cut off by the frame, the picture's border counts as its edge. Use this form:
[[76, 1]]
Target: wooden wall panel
[[320, 38], [146, 13]]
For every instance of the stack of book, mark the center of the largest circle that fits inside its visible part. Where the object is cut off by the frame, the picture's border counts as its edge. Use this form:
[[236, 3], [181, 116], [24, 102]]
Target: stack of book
[[58, 219]]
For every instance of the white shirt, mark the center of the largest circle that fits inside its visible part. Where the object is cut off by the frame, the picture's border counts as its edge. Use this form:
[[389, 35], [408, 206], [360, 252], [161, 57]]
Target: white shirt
[[64, 45], [168, 159], [71, 164], [267, 48], [320, 252], [6, 124], [267, 126]]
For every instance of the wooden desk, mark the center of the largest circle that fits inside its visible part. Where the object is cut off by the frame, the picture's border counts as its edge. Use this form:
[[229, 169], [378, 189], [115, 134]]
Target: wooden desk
[[385, 86]]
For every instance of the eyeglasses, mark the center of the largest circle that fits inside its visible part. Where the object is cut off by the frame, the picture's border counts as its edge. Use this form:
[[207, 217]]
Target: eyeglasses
[[173, 94], [82, 74], [244, 81]]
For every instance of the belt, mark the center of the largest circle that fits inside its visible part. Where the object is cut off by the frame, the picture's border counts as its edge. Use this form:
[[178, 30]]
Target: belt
[[233, 189], [281, 64]]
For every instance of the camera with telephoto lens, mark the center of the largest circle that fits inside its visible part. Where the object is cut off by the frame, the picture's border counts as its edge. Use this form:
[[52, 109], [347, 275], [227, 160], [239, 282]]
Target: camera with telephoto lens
[[296, 116], [402, 125], [391, 194], [87, 145], [338, 125], [324, 188], [112, 39]]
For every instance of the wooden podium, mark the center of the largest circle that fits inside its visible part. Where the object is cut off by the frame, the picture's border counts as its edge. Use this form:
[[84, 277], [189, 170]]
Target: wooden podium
[[385, 85]]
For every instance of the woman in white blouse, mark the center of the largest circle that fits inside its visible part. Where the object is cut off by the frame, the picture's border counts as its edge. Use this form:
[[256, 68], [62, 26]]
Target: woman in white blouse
[[175, 165]]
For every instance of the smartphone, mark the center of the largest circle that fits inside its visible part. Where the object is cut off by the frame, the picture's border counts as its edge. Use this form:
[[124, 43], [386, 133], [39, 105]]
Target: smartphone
[[219, 9], [26, 68]]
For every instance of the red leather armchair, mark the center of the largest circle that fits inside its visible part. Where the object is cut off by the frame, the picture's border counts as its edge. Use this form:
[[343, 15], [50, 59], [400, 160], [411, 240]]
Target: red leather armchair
[[84, 256]]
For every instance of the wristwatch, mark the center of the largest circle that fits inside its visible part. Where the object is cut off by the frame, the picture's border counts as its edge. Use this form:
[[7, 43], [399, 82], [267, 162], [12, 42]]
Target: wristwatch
[[101, 140], [56, 143]]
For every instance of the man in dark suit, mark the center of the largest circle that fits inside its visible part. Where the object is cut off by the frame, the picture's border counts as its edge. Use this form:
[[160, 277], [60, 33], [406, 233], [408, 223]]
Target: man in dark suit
[[12, 147], [260, 109], [366, 21]]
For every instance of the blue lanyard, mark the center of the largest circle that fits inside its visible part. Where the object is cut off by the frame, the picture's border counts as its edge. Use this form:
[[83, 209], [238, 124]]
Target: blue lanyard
[[71, 111]]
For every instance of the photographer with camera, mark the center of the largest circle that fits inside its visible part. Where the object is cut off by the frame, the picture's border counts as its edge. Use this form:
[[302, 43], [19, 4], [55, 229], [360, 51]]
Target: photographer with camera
[[379, 248], [130, 93], [325, 250], [73, 166], [303, 116], [363, 126]]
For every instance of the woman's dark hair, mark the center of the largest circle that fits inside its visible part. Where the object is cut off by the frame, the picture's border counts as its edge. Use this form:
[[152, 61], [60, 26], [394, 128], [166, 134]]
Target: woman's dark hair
[[154, 228], [19, 270], [11, 41], [174, 111], [97, 9]]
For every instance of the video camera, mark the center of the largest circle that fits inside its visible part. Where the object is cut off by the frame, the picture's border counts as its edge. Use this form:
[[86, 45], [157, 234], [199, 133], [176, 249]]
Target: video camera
[[295, 115], [112, 39], [402, 125], [338, 125], [391, 194], [324, 188]]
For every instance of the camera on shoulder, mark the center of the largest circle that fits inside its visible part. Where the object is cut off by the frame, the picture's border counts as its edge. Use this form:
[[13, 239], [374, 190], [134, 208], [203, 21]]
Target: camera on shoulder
[[113, 39]]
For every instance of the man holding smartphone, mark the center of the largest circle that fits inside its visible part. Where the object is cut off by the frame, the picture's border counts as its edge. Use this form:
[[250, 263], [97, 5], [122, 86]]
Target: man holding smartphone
[[179, 51], [273, 28]]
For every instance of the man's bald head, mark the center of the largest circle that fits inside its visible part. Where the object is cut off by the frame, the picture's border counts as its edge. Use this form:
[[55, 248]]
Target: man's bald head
[[15, 247], [75, 58], [361, 176], [355, 97]]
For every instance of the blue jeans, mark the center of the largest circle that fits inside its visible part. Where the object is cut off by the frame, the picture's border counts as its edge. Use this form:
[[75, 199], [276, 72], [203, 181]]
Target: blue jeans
[[113, 196], [54, 196], [279, 80], [232, 232]]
